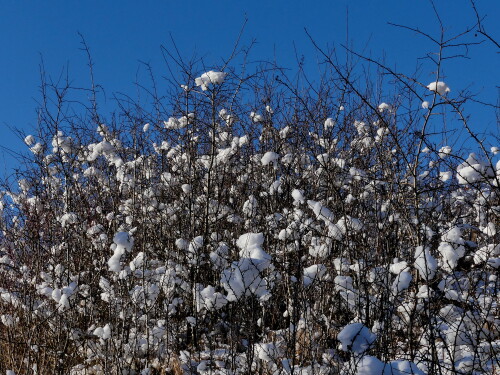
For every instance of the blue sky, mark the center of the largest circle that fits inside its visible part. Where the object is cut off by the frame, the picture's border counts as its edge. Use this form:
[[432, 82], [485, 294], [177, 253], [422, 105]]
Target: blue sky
[[121, 33]]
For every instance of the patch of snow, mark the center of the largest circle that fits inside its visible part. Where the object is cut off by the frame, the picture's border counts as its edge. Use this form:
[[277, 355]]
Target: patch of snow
[[210, 77], [269, 157], [440, 87], [356, 337]]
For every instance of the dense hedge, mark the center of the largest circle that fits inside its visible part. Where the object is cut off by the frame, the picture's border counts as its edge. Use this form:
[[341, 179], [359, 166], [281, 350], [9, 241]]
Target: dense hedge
[[247, 225]]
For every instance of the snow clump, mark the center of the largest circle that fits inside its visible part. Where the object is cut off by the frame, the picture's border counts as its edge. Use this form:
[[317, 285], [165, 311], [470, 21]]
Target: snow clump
[[425, 263], [245, 277], [440, 87], [356, 337], [383, 107], [208, 78], [122, 242], [270, 157]]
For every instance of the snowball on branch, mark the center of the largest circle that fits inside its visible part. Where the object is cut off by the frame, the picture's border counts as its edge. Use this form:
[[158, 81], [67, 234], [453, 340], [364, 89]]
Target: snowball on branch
[[439, 87], [210, 77]]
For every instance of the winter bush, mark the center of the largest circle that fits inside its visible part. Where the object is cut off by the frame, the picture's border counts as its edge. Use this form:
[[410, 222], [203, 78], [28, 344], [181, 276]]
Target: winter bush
[[245, 224]]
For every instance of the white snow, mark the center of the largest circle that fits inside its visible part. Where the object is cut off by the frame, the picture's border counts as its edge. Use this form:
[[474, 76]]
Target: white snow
[[182, 244], [267, 352], [469, 175], [445, 176], [103, 332], [64, 302], [176, 123], [209, 299], [137, 262], [343, 283], [122, 242], [425, 263], [488, 253], [256, 117], [473, 170], [37, 148], [270, 157], [124, 239], [329, 123], [250, 245], [453, 235], [440, 87], [401, 282], [444, 152], [383, 107], [210, 77], [369, 365], [245, 277], [250, 206], [424, 292], [68, 218], [314, 273], [29, 140], [356, 337], [196, 244], [398, 266], [298, 196]]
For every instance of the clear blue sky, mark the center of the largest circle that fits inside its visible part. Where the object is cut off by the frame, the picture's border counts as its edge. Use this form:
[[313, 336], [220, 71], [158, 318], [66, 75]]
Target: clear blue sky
[[120, 33]]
